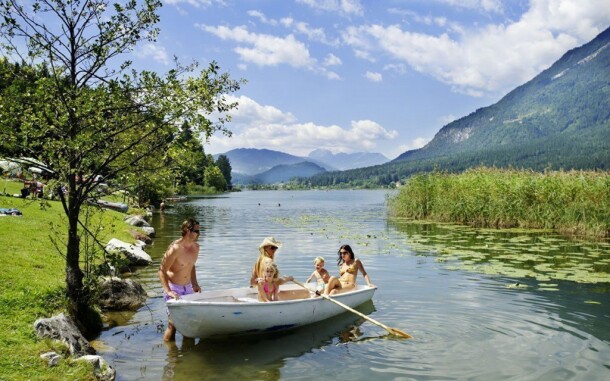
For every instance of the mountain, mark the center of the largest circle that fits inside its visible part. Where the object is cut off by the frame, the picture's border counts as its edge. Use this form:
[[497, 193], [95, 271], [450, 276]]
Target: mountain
[[568, 104], [560, 120], [279, 174], [283, 173], [343, 161], [251, 161]]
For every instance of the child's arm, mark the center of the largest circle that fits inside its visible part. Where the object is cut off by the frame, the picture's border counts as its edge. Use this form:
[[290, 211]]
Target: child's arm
[[313, 274]]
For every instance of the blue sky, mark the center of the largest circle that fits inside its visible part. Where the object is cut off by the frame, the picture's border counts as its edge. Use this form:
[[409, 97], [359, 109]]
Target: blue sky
[[356, 75]]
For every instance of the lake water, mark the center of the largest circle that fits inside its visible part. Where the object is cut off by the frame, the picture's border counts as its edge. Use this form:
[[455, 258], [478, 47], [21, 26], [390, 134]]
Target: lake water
[[481, 305]]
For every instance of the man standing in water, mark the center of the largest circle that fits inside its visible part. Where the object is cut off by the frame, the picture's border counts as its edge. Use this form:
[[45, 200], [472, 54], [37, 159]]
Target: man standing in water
[[177, 270]]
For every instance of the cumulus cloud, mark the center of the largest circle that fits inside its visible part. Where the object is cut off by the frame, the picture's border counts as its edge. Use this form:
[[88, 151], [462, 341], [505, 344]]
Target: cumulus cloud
[[373, 76], [492, 58], [156, 52], [259, 126], [261, 17], [264, 49], [332, 60], [196, 3], [342, 7], [494, 6]]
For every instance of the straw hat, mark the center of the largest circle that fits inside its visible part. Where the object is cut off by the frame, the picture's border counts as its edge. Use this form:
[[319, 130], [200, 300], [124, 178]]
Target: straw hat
[[268, 241]]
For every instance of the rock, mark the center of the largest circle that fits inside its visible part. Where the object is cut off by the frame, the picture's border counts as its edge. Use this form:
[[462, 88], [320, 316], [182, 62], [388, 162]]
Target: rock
[[52, 357], [149, 230], [138, 221], [141, 244], [133, 253], [101, 369], [118, 294], [63, 328]]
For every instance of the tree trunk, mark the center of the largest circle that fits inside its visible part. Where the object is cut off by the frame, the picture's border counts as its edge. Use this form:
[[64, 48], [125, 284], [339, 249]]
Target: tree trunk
[[86, 317]]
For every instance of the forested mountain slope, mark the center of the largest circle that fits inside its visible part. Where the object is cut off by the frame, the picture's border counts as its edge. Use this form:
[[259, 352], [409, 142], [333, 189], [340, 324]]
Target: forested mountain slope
[[560, 120]]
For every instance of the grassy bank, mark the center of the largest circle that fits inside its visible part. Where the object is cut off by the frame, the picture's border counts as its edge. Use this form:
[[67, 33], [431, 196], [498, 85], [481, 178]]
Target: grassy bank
[[33, 281], [573, 203]]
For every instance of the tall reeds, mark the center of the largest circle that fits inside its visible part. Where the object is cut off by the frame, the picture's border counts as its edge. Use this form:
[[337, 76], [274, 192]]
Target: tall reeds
[[570, 202]]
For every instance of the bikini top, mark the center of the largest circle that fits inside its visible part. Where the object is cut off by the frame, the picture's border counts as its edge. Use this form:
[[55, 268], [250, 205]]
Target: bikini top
[[351, 269], [267, 289]]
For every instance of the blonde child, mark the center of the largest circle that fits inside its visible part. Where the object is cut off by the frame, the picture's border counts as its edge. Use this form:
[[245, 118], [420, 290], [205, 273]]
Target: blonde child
[[269, 288], [320, 273]]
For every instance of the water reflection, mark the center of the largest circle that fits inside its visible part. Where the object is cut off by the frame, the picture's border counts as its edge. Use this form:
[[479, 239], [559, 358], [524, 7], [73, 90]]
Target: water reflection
[[259, 357]]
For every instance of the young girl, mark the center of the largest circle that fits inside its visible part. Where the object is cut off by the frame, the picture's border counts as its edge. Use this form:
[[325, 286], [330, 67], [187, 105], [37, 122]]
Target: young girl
[[320, 273], [269, 288]]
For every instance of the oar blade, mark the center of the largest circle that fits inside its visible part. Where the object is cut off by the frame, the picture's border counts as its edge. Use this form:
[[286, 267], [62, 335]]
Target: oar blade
[[399, 333]]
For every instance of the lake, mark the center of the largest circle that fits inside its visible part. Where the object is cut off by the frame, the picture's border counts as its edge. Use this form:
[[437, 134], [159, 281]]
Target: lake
[[480, 304]]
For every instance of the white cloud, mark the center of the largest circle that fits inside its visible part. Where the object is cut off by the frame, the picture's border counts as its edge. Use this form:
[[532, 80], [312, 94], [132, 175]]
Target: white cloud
[[491, 58], [342, 7], [258, 126], [373, 77], [195, 3], [494, 6], [446, 119], [332, 60], [413, 144], [156, 52], [261, 17], [398, 68], [264, 49]]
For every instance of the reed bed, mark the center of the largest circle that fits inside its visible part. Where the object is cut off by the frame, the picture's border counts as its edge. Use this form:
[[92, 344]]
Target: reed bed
[[569, 202]]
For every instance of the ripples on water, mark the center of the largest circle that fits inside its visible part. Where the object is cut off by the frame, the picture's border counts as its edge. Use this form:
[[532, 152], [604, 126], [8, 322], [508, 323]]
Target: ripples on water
[[465, 325]]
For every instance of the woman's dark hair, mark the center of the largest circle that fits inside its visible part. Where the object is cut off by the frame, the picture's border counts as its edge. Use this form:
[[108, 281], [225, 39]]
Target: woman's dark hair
[[188, 224], [349, 250]]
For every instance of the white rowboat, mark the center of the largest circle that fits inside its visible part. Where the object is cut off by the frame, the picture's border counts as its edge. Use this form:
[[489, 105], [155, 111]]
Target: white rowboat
[[237, 311]]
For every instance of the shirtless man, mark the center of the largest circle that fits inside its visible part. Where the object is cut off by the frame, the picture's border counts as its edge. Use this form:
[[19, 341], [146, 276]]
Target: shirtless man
[[177, 270]]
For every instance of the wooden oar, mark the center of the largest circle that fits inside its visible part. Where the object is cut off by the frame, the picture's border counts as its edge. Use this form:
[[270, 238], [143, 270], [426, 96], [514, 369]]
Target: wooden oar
[[393, 331]]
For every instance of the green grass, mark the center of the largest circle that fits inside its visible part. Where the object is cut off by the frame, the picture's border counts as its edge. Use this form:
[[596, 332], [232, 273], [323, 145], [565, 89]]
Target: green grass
[[33, 280], [572, 203]]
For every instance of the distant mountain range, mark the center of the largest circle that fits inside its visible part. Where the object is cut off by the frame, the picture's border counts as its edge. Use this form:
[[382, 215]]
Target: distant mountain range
[[559, 120], [343, 161], [263, 166]]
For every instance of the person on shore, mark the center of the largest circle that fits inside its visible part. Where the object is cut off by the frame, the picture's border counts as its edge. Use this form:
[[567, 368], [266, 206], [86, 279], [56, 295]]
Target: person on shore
[[348, 271], [267, 250], [269, 288], [177, 269], [320, 274]]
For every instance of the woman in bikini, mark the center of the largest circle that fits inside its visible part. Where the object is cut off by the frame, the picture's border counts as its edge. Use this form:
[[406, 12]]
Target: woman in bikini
[[269, 288], [348, 270]]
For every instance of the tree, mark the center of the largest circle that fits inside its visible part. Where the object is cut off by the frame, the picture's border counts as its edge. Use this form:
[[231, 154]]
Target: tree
[[93, 115], [214, 178], [224, 165]]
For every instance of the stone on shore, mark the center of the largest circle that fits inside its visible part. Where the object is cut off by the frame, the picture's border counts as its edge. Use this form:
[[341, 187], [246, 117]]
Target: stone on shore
[[63, 328], [101, 369], [133, 253], [119, 294]]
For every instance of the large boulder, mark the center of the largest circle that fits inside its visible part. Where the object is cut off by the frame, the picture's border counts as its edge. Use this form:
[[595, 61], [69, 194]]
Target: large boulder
[[133, 253], [63, 328], [118, 294], [149, 230], [136, 220]]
